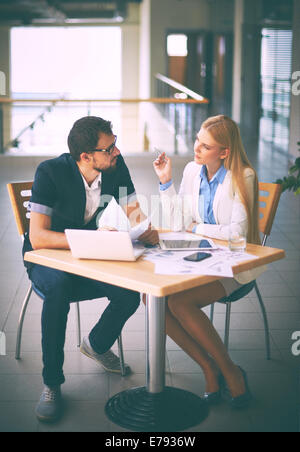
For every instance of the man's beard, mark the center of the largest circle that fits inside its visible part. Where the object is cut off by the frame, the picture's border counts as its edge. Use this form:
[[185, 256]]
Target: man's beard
[[111, 169]]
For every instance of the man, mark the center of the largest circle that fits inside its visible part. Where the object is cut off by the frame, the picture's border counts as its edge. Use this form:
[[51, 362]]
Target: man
[[67, 193]]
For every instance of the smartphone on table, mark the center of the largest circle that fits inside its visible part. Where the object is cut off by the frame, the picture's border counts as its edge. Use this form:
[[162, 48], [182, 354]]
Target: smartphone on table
[[197, 257]]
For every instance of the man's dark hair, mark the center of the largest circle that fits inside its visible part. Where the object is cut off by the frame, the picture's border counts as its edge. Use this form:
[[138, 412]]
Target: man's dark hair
[[84, 135]]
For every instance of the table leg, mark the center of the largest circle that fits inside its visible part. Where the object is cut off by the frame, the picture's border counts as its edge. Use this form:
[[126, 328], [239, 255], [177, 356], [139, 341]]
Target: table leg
[[155, 344], [156, 407]]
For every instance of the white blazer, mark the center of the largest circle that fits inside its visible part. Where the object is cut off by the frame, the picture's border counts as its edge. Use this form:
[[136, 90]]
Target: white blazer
[[183, 209]]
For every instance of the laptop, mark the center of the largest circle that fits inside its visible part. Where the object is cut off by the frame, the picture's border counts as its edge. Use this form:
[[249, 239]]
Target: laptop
[[102, 245]]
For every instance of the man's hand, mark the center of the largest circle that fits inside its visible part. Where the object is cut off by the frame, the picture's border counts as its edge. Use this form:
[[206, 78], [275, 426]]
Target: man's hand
[[149, 237]]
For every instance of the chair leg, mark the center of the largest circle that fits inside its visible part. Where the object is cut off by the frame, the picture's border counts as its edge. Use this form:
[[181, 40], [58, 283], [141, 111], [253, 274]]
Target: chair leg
[[121, 355], [78, 325], [21, 320], [212, 310], [227, 325], [264, 313]]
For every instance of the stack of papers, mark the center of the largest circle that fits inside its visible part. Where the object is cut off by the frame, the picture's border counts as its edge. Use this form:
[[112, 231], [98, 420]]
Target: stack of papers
[[172, 262]]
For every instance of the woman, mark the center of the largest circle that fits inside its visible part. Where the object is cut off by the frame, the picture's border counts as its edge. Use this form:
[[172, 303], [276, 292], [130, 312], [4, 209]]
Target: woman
[[223, 189]]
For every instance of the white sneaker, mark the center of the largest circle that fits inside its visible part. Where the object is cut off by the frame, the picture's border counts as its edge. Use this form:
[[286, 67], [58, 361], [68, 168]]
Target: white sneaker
[[108, 360]]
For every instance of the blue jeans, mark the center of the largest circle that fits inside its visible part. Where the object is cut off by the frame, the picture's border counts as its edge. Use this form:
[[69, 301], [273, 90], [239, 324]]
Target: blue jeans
[[61, 288]]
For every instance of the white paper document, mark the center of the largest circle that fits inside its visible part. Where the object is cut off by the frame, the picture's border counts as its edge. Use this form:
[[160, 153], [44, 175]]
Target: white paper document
[[172, 263], [114, 216], [139, 229]]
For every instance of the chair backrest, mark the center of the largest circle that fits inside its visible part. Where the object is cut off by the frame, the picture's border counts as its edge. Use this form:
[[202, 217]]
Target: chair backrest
[[19, 194], [269, 195]]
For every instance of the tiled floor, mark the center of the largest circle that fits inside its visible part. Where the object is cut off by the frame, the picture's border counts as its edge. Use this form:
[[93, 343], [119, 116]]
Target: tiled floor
[[274, 383]]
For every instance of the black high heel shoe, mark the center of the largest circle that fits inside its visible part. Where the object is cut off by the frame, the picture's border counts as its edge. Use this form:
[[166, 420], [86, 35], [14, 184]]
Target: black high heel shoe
[[212, 398], [241, 401]]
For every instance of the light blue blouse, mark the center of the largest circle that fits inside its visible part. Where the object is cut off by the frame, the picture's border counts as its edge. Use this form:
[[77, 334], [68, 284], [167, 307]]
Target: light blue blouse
[[206, 194]]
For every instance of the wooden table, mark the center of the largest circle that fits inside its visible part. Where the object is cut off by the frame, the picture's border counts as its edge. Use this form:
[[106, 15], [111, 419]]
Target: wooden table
[[154, 407]]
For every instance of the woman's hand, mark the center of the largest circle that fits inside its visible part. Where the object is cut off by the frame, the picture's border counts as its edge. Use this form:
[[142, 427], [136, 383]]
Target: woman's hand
[[191, 227], [163, 168]]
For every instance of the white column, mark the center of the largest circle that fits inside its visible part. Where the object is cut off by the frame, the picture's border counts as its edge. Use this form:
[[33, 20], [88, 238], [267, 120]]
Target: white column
[[5, 79], [237, 60], [5, 59], [145, 48], [130, 61]]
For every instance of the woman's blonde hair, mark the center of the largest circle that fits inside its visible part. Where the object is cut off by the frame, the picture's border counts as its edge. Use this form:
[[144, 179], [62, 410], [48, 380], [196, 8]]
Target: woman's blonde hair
[[226, 132]]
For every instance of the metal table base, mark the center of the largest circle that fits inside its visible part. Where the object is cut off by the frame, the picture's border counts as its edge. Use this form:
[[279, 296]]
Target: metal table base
[[155, 407]]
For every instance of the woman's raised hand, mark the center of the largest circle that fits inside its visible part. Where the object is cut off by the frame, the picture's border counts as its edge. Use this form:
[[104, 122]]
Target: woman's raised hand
[[163, 168]]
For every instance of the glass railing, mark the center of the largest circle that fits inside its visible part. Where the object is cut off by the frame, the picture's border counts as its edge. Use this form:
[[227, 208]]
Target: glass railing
[[41, 126], [186, 117]]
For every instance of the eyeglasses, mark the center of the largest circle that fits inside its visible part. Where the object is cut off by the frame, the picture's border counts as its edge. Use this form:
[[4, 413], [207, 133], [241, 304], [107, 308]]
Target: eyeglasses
[[110, 148]]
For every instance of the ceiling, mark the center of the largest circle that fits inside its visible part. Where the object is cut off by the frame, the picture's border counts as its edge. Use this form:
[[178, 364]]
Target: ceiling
[[26, 12]]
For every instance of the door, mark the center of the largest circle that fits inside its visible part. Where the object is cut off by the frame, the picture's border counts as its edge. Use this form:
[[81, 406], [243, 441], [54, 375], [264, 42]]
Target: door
[[177, 52], [222, 74]]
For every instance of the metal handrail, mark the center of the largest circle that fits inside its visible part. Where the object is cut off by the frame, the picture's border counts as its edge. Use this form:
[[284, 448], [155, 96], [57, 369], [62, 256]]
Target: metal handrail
[[15, 141], [158, 100], [182, 88]]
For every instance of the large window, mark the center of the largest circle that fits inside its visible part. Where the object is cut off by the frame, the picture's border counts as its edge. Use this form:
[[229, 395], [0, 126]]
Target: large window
[[61, 62], [77, 62], [276, 57]]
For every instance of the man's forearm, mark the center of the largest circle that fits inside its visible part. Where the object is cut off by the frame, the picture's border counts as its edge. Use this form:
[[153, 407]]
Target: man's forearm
[[49, 239]]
